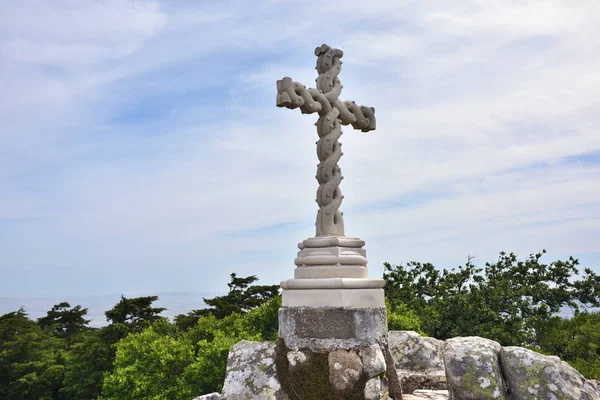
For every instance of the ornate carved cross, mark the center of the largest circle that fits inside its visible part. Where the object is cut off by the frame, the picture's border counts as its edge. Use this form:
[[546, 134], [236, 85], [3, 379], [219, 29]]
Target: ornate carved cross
[[332, 112]]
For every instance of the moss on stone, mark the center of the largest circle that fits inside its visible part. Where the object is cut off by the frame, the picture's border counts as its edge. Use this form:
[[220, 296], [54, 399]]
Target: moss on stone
[[473, 384], [310, 379]]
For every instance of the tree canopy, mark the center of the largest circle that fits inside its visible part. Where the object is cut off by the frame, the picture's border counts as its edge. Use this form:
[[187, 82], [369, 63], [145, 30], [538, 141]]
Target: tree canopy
[[509, 300], [141, 355], [65, 321]]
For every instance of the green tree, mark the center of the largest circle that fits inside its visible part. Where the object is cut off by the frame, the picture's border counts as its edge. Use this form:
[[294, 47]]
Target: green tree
[[575, 340], [401, 318], [136, 313], [90, 357], [64, 321], [31, 360], [151, 365], [241, 298], [508, 301]]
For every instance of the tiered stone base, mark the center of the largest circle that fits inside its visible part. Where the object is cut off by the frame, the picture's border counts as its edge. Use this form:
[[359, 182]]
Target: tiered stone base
[[333, 326]]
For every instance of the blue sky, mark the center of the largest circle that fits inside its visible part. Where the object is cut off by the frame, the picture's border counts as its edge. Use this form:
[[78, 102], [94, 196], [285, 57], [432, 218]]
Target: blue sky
[[141, 150]]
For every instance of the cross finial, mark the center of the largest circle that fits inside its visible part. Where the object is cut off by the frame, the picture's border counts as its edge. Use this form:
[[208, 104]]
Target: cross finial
[[325, 101]]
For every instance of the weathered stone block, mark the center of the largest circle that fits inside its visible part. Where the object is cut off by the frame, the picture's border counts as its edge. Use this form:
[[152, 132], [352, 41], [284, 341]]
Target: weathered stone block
[[373, 360], [345, 370], [533, 375], [473, 369], [413, 352], [373, 389], [331, 328], [251, 373], [419, 360]]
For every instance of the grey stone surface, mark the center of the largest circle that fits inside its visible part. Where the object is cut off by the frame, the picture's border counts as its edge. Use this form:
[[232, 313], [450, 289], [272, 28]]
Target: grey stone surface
[[531, 375], [332, 113], [419, 360], [296, 359], [251, 373], [473, 369], [411, 381], [327, 329], [211, 396], [427, 395], [413, 352], [592, 384], [373, 390], [345, 369], [373, 360]]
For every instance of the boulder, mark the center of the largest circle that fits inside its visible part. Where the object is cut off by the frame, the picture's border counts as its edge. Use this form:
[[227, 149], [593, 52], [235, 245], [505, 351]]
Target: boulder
[[413, 352], [419, 361], [473, 369], [373, 360], [373, 390], [345, 370], [251, 373], [533, 375]]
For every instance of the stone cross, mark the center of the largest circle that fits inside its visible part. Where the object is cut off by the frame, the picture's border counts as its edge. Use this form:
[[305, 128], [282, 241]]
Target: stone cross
[[332, 111]]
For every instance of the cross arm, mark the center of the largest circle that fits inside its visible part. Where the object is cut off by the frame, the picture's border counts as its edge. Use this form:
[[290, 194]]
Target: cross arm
[[293, 95]]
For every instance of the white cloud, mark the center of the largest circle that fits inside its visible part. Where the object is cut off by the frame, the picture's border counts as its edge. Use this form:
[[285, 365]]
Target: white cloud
[[480, 108]]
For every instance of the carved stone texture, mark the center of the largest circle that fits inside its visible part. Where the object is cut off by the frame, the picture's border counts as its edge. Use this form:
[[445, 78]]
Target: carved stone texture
[[333, 113]]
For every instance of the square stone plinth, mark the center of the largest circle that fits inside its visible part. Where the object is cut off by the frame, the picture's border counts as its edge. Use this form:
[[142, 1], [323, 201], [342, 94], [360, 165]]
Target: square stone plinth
[[335, 327]]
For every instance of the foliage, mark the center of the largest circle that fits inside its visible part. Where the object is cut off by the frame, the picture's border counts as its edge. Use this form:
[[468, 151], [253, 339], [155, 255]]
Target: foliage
[[135, 313], [31, 360], [65, 322], [89, 359], [401, 318], [92, 356], [241, 298], [507, 301], [192, 357], [140, 355], [151, 365], [575, 340]]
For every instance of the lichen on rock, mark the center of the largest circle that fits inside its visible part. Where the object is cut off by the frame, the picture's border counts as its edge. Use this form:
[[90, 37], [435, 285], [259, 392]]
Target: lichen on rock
[[533, 375], [473, 369], [251, 373]]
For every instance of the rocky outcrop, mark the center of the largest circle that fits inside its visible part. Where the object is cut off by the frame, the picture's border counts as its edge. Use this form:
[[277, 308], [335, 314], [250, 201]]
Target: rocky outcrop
[[533, 375], [477, 368], [336, 374], [251, 373], [473, 369], [418, 360]]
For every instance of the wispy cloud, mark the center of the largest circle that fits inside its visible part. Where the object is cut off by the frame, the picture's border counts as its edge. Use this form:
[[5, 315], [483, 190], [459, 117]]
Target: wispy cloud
[[140, 147]]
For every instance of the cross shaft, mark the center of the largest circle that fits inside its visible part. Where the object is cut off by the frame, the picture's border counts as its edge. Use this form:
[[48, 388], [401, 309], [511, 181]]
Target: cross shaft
[[333, 113]]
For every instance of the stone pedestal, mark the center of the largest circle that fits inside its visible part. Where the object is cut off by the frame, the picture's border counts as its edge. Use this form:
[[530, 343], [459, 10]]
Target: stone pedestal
[[332, 271], [333, 320]]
